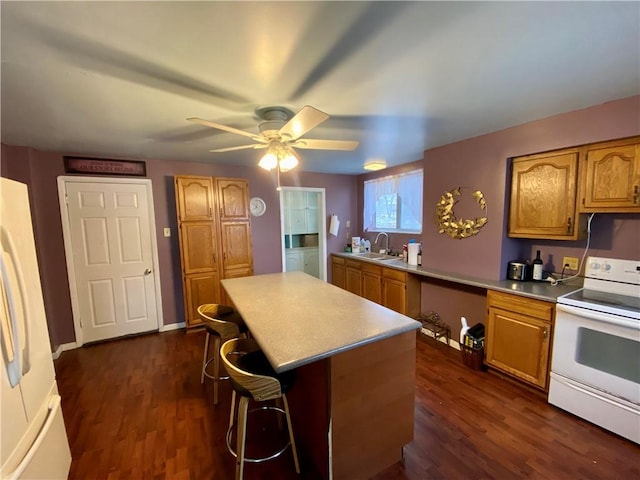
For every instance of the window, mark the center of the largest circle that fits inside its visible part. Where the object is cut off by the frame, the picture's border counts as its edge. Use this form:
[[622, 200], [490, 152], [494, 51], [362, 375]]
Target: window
[[394, 203]]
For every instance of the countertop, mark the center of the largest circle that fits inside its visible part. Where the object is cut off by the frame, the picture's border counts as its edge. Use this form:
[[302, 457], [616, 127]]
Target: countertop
[[540, 291], [298, 319]]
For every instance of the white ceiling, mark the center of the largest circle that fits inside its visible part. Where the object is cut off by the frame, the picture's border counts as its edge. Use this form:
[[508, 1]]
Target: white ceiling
[[119, 79]]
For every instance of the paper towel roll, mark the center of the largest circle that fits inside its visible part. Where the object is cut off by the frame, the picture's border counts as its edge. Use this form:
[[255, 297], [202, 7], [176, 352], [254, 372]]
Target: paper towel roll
[[334, 225], [413, 250]]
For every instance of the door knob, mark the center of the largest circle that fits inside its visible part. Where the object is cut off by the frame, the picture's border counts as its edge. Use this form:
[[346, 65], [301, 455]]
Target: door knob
[[147, 271]]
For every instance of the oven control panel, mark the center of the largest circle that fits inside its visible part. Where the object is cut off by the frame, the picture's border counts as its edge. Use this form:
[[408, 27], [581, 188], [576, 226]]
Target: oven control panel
[[613, 270]]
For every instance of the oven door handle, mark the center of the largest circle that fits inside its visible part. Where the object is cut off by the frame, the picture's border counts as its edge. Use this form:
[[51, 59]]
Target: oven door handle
[[599, 316]]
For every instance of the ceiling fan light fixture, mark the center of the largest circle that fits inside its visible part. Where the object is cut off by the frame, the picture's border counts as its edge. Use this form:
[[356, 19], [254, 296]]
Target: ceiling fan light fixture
[[374, 164], [269, 160], [288, 161]]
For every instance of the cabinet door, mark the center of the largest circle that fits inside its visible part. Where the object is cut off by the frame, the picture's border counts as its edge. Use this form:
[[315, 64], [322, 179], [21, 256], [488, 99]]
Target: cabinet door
[[519, 345], [338, 273], [293, 261], [353, 280], [311, 262], [199, 289], [233, 199], [612, 179], [372, 287], [236, 246], [194, 198], [543, 196], [198, 247], [394, 295]]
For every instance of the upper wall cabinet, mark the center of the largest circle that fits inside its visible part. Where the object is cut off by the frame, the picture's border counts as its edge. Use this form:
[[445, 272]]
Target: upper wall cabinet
[[543, 196], [610, 179], [552, 192]]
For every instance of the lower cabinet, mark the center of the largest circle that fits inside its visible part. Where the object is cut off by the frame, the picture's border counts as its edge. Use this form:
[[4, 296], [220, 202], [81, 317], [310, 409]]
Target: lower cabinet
[[518, 337], [392, 288], [303, 259], [371, 282], [353, 277], [338, 272]]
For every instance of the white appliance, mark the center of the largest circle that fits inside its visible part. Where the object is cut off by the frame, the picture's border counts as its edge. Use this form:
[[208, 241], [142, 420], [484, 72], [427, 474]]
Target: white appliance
[[33, 440], [595, 367]]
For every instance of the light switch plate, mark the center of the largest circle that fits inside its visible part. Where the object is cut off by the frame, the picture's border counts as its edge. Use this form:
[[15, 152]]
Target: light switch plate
[[167, 232]]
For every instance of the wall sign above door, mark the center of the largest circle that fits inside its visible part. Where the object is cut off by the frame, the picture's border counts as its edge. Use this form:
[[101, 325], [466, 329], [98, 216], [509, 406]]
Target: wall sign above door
[[103, 166]]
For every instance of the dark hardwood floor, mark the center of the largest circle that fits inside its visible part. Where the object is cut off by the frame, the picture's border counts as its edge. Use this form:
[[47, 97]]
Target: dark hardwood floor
[[135, 409]]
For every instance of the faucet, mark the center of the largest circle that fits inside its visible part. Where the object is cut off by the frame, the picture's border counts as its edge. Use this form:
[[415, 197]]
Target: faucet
[[386, 250]]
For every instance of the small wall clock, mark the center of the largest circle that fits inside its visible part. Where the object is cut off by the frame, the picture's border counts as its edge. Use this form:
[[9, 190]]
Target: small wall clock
[[257, 206]]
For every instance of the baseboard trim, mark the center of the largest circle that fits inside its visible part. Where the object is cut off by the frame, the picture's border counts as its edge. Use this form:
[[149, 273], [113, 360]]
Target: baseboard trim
[[452, 343], [173, 326], [63, 348]]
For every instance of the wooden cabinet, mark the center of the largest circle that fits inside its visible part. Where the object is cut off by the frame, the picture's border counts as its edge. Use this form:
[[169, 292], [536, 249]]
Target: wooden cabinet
[[401, 292], [371, 282], [215, 238], [338, 272], [392, 288], [610, 180], [518, 337], [353, 277], [543, 196], [194, 199]]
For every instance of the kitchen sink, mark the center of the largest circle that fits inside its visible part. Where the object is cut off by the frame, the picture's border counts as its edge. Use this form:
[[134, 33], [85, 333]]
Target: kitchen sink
[[371, 255], [395, 261]]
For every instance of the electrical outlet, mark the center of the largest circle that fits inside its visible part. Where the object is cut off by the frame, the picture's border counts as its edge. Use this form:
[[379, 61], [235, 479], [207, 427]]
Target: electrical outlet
[[167, 232], [571, 262]]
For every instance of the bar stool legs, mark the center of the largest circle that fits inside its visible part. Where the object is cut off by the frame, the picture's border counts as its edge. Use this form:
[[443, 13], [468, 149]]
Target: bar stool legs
[[206, 361], [241, 434]]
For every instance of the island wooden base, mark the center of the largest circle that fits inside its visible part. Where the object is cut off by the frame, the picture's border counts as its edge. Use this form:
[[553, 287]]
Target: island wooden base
[[353, 412]]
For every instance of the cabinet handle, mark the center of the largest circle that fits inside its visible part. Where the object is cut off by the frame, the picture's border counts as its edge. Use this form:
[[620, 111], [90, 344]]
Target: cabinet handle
[[569, 225], [545, 334], [221, 212], [636, 194], [210, 212]]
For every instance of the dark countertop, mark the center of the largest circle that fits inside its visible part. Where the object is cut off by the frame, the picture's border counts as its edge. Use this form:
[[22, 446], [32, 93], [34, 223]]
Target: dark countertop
[[540, 291]]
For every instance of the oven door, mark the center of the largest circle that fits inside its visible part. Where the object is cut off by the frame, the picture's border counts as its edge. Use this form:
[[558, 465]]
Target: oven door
[[598, 349]]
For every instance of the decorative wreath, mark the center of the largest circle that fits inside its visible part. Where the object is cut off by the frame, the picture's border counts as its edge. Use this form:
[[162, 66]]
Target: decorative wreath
[[459, 228]]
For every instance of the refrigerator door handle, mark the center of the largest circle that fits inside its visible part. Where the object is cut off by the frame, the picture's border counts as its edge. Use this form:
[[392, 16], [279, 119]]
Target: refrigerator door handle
[[54, 405], [19, 365]]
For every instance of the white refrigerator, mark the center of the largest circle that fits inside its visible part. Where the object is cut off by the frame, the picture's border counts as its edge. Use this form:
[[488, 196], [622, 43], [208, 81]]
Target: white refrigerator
[[33, 439]]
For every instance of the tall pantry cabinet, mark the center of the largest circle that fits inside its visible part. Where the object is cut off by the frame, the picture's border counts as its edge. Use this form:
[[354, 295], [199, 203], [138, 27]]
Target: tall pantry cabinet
[[215, 238]]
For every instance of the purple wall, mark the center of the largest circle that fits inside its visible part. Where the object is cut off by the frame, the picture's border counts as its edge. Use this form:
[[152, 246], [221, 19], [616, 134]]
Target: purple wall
[[477, 163], [481, 163], [40, 171]]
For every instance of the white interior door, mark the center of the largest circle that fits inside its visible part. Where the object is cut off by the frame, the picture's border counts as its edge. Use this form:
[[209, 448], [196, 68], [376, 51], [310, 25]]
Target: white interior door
[[110, 242]]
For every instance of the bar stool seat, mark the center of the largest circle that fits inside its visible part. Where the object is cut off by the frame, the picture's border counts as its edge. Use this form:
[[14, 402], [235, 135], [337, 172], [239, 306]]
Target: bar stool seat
[[253, 378], [223, 323]]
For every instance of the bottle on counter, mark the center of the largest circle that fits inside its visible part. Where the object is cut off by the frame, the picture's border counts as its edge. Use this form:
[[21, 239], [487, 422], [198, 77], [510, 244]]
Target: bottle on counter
[[537, 267], [420, 257]]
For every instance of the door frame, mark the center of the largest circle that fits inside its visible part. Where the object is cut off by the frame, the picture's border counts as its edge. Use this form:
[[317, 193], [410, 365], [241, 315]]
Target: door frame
[[322, 227], [63, 180]]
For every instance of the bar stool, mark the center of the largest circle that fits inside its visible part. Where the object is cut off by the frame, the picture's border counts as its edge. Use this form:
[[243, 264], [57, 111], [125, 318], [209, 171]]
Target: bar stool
[[223, 323], [253, 377]]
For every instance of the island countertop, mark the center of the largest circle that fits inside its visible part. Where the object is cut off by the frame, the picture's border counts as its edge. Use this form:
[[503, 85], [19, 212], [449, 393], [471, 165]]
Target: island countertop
[[298, 319]]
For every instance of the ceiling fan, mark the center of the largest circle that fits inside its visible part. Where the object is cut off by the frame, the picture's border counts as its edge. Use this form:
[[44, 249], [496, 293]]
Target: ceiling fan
[[281, 131]]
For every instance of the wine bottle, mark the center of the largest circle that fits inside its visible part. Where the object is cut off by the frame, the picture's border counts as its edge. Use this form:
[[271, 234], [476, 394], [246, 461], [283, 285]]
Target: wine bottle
[[537, 267]]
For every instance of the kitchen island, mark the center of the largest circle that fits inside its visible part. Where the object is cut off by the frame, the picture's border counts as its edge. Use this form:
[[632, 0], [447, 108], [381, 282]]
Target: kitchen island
[[353, 400]]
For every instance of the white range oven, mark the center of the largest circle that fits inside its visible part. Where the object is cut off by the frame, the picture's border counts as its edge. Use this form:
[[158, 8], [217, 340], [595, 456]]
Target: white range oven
[[595, 366]]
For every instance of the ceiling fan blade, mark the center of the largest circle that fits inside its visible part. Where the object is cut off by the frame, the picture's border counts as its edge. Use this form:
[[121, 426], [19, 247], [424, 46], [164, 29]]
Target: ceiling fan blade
[[303, 121], [255, 146], [315, 144], [226, 128]]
